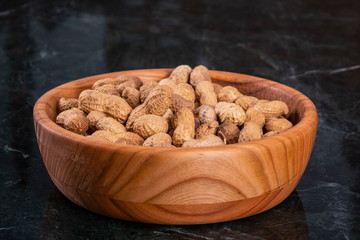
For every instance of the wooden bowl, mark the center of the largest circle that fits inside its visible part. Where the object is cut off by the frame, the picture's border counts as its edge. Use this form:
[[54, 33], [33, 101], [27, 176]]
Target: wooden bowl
[[181, 185]]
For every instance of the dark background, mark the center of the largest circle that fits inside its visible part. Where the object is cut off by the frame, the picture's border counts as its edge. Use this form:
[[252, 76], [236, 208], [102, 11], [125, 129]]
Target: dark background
[[312, 46]]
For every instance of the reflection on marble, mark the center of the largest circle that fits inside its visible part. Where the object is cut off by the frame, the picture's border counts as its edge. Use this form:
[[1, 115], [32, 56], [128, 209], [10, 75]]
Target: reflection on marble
[[62, 219], [312, 46]]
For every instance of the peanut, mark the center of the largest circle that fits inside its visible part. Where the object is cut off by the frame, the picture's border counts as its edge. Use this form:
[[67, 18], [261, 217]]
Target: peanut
[[67, 103], [217, 88], [246, 102], [208, 141], [206, 129], [205, 93], [150, 124], [93, 117], [185, 90], [253, 115], [158, 140], [146, 89], [230, 112], [73, 120], [180, 74], [251, 131], [110, 124], [184, 125], [104, 136], [199, 74], [272, 109], [131, 96], [269, 134], [277, 125], [179, 102], [206, 114], [129, 138], [115, 107], [228, 132], [109, 89], [228, 94], [117, 81]]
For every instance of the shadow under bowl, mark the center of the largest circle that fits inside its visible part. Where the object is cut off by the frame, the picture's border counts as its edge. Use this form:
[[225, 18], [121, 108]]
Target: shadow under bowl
[[178, 185]]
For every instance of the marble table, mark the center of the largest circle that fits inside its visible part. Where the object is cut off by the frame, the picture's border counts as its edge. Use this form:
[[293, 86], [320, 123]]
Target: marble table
[[312, 46]]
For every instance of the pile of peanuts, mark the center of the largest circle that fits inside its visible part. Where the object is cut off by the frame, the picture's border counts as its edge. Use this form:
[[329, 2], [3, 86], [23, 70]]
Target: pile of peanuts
[[184, 110]]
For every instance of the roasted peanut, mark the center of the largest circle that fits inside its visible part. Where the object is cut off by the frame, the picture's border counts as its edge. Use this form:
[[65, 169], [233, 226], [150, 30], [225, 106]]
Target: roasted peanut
[[115, 107], [272, 109], [199, 74], [206, 129], [251, 131], [158, 140], [185, 90], [93, 117], [146, 89], [73, 120], [246, 102], [205, 93], [208, 141], [150, 124], [179, 102], [277, 124], [253, 115], [110, 124], [228, 132], [230, 112], [131, 96], [206, 114], [67, 103], [228, 94], [184, 125]]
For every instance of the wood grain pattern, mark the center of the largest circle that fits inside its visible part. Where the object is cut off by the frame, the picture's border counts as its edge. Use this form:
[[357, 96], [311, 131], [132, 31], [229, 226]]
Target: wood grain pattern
[[178, 186]]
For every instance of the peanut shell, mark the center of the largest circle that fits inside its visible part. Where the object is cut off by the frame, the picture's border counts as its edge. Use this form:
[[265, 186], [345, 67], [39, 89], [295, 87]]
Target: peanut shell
[[150, 124], [251, 131], [73, 120]]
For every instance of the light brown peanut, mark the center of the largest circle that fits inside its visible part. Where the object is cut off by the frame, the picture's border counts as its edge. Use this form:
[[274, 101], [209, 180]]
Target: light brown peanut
[[205, 93], [246, 102], [199, 74], [66, 104], [230, 112], [131, 96], [206, 129], [272, 109], [228, 132], [150, 124], [109, 89], [228, 94], [104, 136], [158, 140], [179, 102], [208, 141], [185, 90], [180, 74], [115, 107], [277, 124], [73, 120], [184, 125], [251, 131], [93, 117], [206, 114], [253, 115], [146, 89], [110, 124], [129, 138]]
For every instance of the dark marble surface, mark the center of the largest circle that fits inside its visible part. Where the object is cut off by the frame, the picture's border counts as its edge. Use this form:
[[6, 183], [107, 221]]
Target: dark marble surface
[[312, 46]]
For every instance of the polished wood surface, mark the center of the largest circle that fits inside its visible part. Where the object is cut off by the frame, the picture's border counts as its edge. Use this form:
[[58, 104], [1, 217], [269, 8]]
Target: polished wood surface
[[182, 185]]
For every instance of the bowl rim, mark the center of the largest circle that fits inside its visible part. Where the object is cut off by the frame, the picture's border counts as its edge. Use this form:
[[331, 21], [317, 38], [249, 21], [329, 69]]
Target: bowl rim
[[306, 123]]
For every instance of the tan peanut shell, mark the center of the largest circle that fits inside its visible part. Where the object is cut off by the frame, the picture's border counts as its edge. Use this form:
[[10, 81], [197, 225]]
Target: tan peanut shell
[[272, 108], [228, 132], [228, 94], [180, 74], [67, 103], [206, 129], [246, 102], [277, 124], [199, 74], [158, 101], [113, 81], [135, 82], [251, 131], [208, 141], [206, 114], [178, 102], [129, 138], [158, 140], [146, 89], [168, 115], [184, 125], [131, 96], [109, 89], [110, 124], [115, 107], [104, 136], [217, 88], [167, 82], [230, 112], [185, 90], [150, 124], [253, 115], [93, 117], [269, 134], [73, 120], [205, 93]]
